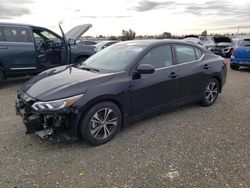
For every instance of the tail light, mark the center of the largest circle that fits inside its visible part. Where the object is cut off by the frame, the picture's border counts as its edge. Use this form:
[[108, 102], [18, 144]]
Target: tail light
[[233, 52], [226, 61]]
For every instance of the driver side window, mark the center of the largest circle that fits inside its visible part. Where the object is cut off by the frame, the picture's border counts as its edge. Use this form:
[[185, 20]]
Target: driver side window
[[38, 39], [158, 57]]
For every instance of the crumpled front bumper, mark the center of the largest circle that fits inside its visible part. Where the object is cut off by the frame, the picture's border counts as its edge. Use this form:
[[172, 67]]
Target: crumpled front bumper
[[59, 125]]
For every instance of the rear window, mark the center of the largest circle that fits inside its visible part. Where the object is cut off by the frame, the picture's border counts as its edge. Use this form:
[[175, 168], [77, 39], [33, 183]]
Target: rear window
[[198, 52], [245, 42], [1, 34], [17, 34], [185, 53]]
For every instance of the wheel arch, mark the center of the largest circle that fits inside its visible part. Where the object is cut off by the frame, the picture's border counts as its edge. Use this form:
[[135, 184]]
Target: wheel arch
[[219, 80], [106, 98]]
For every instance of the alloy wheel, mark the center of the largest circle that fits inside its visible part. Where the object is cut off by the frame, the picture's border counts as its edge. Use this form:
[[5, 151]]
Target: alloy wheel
[[103, 123], [211, 92]]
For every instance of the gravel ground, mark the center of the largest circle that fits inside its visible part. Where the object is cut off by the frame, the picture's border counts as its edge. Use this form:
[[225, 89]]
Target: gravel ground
[[191, 146]]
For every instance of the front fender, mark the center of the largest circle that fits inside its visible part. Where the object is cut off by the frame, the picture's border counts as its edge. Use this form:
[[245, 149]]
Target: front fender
[[116, 90]]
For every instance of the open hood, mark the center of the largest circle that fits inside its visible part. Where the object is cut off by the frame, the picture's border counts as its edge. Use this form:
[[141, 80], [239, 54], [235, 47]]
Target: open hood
[[222, 39], [76, 32]]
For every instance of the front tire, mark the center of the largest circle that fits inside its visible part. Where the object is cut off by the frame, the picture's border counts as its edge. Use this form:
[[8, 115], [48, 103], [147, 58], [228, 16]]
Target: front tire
[[234, 67], [100, 123], [210, 92]]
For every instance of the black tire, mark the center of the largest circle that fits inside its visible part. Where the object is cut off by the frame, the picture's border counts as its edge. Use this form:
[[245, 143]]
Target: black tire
[[1, 78], [234, 67], [93, 127], [210, 92]]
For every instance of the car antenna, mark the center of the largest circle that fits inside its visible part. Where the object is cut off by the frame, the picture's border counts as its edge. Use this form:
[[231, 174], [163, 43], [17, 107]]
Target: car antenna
[[68, 50]]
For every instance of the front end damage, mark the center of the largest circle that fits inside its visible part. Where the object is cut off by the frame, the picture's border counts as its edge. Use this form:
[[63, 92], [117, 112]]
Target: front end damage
[[55, 125]]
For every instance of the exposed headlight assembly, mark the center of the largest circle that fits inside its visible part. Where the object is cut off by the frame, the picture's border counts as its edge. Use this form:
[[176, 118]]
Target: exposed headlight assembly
[[56, 104]]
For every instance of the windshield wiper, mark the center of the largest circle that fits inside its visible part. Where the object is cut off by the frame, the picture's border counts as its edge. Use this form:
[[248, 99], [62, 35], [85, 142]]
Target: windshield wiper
[[88, 68]]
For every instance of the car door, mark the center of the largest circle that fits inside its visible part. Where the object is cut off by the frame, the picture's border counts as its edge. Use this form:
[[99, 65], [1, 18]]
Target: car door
[[192, 71], [159, 89], [49, 48], [17, 51]]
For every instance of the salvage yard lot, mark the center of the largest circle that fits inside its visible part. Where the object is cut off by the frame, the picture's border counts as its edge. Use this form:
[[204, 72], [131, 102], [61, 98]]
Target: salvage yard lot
[[191, 146]]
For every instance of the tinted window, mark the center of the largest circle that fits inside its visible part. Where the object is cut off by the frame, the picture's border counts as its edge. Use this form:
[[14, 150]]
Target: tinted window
[[198, 52], [158, 57], [1, 34], [17, 34], [185, 53]]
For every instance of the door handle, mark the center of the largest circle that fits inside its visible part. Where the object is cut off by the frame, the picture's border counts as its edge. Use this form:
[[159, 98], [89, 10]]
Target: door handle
[[3, 48], [206, 66], [173, 75]]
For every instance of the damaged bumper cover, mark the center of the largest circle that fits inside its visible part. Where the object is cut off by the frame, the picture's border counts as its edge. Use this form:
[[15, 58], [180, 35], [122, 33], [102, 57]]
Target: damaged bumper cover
[[60, 125]]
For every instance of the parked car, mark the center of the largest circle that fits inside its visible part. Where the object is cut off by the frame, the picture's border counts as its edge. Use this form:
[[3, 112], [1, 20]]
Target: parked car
[[221, 45], [29, 50], [104, 44], [118, 85], [88, 42], [241, 55]]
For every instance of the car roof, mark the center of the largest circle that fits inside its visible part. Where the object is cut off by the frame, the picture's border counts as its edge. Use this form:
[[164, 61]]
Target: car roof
[[151, 42], [15, 24]]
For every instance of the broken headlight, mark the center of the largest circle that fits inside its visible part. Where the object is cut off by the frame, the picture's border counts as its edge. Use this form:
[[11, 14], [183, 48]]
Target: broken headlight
[[56, 104]]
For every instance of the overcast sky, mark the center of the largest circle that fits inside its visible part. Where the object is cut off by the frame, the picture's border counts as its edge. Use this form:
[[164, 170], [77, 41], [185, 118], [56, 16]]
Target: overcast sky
[[109, 17]]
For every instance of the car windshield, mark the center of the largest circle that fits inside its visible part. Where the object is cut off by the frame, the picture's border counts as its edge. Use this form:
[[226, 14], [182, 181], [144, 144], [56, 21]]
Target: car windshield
[[245, 42], [114, 58]]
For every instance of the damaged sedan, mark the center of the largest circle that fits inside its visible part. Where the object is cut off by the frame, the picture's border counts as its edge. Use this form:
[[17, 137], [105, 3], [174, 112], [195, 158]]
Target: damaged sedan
[[221, 45], [118, 85]]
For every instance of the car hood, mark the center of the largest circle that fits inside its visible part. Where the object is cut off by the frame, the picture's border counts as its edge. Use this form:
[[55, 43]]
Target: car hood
[[76, 32], [62, 82]]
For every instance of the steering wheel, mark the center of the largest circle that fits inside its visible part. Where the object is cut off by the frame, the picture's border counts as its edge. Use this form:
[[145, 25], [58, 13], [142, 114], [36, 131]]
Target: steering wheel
[[41, 45]]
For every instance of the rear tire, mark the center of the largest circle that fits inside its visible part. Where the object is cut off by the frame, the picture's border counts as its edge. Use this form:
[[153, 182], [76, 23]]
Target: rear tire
[[100, 123], [1, 78], [210, 92], [234, 67]]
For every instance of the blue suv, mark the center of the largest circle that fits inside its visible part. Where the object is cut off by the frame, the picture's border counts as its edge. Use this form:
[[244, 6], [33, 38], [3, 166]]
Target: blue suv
[[29, 50]]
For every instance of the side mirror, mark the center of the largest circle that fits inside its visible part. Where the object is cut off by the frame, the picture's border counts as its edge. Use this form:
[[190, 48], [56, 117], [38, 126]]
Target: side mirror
[[145, 69], [71, 42]]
